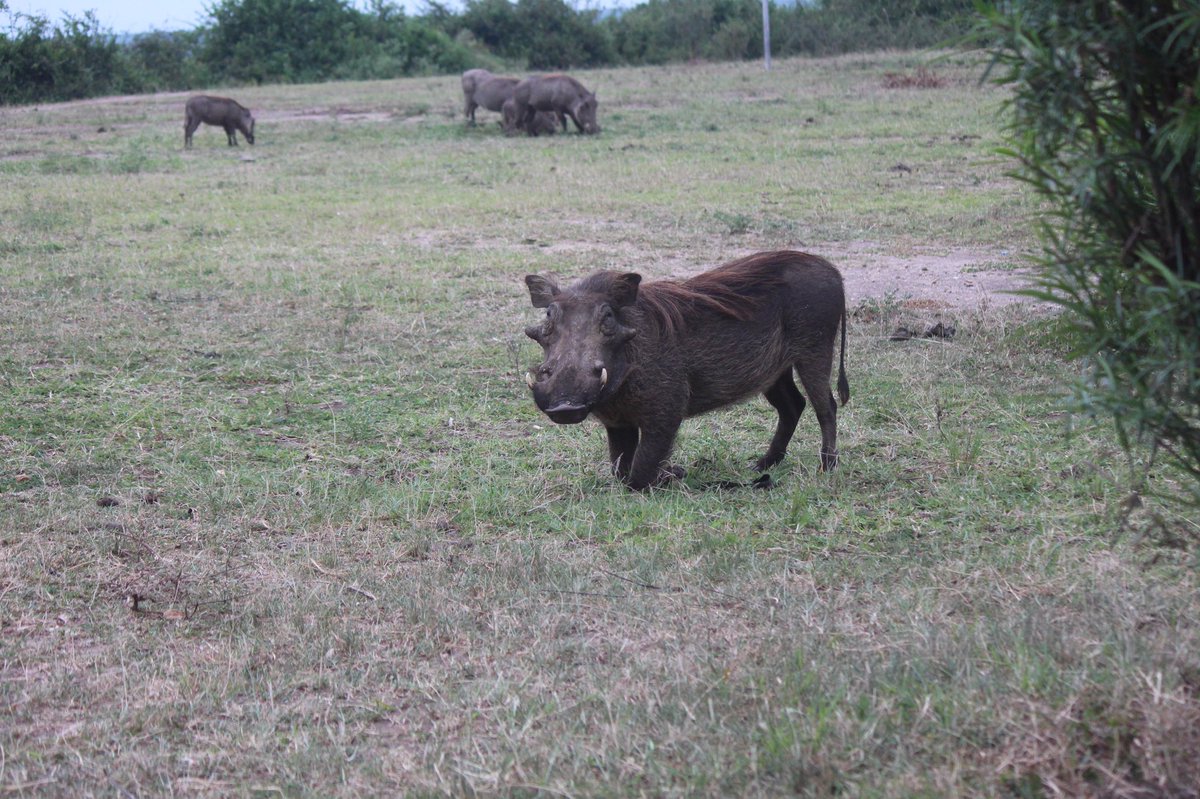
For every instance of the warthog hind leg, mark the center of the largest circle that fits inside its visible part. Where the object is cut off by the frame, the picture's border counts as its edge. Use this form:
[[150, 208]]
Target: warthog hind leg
[[789, 402], [814, 376]]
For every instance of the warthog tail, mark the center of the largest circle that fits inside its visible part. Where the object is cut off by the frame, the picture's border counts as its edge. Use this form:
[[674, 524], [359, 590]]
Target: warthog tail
[[843, 383]]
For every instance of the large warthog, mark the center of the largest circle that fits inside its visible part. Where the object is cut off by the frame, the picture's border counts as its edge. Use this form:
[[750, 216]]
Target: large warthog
[[642, 358], [560, 95], [221, 111], [482, 88], [470, 79]]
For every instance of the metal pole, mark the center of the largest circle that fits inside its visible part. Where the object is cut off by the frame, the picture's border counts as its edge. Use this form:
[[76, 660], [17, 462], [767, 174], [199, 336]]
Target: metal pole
[[766, 35]]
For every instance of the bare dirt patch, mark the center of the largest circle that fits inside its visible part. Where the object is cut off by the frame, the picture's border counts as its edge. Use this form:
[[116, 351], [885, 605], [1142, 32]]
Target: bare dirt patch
[[935, 279], [956, 278]]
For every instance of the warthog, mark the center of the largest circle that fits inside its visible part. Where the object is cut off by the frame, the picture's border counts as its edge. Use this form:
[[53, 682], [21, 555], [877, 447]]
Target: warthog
[[561, 94], [470, 79], [544, 122], [222, 111], [482, 88], [642, 358]]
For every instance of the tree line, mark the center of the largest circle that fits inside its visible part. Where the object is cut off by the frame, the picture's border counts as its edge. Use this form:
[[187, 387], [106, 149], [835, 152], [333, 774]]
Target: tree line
[[298, 41]]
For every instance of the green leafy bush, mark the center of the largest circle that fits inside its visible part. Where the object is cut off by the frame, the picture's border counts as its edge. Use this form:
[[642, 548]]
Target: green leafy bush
[[74, 59], [269, 41], [298, 41], [841, 26], [544, 34], [661, 31], [1105, 124], [166, 60]]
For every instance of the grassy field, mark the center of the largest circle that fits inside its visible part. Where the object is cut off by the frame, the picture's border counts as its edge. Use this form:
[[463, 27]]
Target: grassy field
[[278, 517]]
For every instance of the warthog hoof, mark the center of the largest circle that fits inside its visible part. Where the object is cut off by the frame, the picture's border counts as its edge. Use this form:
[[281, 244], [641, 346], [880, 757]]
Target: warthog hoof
[[669, 472]]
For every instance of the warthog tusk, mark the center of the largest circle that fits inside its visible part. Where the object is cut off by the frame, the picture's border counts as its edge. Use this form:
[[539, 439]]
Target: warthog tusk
[[603, 377], [529, 381]]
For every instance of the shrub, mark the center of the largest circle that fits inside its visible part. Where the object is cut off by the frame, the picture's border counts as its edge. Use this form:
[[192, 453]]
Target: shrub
[[281, 40], [1104, 123], [839, 26], [165, 60], [545, 34], [40, 61]]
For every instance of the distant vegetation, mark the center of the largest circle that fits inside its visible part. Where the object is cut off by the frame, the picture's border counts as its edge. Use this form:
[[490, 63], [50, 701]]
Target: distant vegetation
[[299, 41]]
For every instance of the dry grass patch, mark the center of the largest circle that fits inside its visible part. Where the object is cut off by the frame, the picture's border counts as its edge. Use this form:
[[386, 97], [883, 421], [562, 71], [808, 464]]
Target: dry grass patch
[[919, 78]]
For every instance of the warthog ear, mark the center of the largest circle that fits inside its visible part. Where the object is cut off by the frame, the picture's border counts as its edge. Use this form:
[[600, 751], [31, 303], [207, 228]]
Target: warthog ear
[[542, 290], [624, 289]]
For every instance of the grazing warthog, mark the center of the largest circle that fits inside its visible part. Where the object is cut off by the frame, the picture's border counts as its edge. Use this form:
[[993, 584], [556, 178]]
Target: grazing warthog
[[560, 94], [221, 111], [470, 79], [544, 123], [642, 358], [482, 88]]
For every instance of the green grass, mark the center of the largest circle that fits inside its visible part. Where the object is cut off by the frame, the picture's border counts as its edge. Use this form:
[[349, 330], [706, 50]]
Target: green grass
[[272, 398]]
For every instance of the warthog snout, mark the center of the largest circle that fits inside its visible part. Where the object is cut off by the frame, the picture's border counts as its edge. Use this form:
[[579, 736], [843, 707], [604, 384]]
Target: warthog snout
[[567, 395], [567, 413]]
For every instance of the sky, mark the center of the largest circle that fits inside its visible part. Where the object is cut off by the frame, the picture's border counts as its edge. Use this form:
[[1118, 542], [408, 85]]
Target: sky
[[140, 16]]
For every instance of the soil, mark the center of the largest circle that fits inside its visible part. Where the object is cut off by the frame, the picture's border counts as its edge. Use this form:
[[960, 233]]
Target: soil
[[961, 279]]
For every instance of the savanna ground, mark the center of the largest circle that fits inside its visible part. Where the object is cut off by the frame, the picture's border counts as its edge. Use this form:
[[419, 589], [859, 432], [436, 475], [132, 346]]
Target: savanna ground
[[278, 517]]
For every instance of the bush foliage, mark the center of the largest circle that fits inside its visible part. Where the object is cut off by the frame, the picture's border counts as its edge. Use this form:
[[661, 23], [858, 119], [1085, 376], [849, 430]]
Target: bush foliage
[[543, 34], [1105, 124], [76, 58], [271, 41], [307, 41]]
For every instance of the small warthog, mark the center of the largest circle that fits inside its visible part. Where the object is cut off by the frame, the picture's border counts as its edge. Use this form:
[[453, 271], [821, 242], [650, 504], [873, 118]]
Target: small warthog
[[560, 94], [642, 358], [544, 123], [483, 89], [222, 111]]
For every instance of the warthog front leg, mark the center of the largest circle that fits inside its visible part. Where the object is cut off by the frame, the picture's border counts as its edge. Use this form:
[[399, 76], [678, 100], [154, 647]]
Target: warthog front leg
[[622, 444], [649, 467]]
